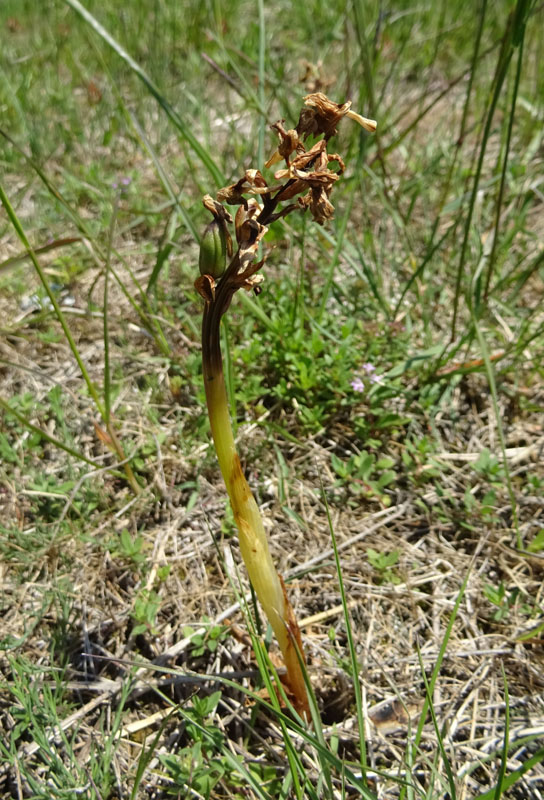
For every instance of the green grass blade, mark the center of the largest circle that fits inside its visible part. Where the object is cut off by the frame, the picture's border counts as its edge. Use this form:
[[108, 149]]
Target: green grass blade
[[58, 311], [436, 671], [165, 180], [47, 436], [105, 318], [335, 256], [433, 248], [508, 43], [262, 84], [512, 778], [506, 742], [490, 372], [500, 196], [351, 642], [146, 756], [185, 131], [439, 737]]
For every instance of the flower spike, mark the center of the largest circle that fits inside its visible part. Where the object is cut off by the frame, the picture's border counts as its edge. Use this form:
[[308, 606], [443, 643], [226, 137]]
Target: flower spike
[[308, 177]]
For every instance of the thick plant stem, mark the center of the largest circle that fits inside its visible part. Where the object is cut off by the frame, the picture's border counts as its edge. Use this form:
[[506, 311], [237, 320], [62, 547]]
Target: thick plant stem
[[268, 584]]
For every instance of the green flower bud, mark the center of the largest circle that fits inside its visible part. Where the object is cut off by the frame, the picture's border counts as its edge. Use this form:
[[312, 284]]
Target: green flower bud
[[213, 249]]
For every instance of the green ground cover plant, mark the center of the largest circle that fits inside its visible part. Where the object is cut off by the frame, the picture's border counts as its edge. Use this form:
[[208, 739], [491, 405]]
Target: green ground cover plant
[[385, 391]]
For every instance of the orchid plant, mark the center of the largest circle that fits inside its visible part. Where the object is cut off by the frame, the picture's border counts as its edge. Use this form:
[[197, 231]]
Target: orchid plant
[[304, 182]]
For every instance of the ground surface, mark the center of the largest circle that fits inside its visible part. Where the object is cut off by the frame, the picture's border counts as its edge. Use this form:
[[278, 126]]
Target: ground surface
[[358, 407]]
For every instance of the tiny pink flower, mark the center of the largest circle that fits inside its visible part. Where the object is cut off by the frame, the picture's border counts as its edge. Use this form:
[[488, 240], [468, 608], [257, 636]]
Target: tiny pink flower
[[358, 385]]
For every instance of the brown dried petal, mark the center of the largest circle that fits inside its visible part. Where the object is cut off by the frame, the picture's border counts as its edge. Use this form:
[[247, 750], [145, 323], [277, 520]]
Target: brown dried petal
[[303, 159], [325, 178], [205, 286], [335, 157], [369, 125], [252, 281], [274, 158], [320, 206], [233, 194], [289, 142], [250, 211], [327, 108], [215, 208], [306, 125], [321, 162], [321, 115], [253, 182], [281, 174], [251, 234]]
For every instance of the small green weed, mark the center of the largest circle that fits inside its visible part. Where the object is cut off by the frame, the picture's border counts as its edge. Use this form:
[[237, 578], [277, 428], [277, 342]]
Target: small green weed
[[484, 506], [383, 563], [49, 495], [200, 765], [144, 612], [364, 474], [489, 467], [418, 461], [506, 601], [537, 544], [128, 547], [207, 642], [147, 453]]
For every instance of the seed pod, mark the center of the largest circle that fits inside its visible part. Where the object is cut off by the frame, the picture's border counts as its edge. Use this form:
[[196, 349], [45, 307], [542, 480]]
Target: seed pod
[[213, 249]]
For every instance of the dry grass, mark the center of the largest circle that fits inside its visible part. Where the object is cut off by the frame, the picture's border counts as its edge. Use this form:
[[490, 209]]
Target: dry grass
[[390, 619]]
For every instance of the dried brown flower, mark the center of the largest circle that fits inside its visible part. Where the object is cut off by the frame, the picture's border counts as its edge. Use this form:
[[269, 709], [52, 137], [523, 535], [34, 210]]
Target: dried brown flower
[[306, 176], [251, 183], [322, 115], [289, 142]]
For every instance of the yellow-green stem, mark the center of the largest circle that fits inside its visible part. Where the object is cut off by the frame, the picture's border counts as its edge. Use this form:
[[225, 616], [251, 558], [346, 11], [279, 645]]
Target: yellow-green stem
[[268, 585], [131, 478]]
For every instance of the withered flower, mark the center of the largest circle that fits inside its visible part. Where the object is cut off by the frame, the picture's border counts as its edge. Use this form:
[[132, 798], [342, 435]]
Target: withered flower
[[251, 183], [319, 180], [308, 177], [215, 208], [322, 115], [289, 142], [251, 234]]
